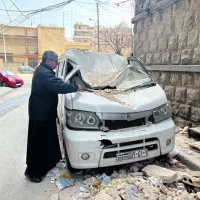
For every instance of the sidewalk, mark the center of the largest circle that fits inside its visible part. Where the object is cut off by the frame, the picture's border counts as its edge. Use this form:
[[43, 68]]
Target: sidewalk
[[185, 154], [4, 91]]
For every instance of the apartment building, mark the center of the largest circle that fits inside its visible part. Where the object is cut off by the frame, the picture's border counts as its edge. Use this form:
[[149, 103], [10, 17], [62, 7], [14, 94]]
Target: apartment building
[[85, 34], [25, 45], [83, 46]]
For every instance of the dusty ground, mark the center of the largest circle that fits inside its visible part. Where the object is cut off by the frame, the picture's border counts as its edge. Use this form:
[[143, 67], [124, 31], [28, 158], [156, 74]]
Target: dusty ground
[[183, 141]]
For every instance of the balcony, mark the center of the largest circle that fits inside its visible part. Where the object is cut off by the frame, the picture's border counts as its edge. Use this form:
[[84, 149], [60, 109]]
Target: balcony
[[84, 30], [83, 36]]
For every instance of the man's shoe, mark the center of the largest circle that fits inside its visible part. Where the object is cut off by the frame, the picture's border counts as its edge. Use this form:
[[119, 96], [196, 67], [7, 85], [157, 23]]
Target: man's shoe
[[33, 178]]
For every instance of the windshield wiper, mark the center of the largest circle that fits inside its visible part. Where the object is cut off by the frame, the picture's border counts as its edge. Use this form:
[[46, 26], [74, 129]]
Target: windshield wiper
[[142, 72], [146, 84]]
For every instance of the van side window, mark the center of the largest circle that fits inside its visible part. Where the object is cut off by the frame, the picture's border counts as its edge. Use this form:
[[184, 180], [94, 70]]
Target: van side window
[[69, 68]]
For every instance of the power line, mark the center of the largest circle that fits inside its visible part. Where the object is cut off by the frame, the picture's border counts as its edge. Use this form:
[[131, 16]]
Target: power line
[[33, 23], [98, 26], [122, 2], [6, 10], [41, 10]]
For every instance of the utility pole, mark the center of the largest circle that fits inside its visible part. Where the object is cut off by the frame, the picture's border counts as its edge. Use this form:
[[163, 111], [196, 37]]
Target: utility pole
[[4, 45], [63, 19], [98, 26]]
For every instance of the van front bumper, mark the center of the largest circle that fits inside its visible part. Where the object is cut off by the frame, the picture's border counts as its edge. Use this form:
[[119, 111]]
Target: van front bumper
[[153, 137]]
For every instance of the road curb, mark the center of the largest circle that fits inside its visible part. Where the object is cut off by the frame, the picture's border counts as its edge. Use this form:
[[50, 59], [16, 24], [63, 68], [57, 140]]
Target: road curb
[[191, 161], [6, 92]]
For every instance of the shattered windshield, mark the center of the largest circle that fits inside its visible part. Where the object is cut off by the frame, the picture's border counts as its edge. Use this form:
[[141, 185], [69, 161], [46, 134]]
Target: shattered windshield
[[130, 78], [102, 69]]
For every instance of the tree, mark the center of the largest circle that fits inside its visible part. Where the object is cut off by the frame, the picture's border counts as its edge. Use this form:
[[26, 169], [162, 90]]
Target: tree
[[117, 37]]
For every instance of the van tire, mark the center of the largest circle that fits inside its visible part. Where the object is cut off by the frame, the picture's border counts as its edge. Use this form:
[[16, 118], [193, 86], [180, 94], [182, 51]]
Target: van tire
[[68, 164]]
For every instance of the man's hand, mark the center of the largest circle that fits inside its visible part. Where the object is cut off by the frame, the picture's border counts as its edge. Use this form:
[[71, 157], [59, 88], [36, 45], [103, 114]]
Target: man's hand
[[79, 87]]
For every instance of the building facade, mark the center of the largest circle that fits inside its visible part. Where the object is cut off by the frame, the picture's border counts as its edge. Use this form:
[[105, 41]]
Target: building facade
[[25, 45], [83, 46], [85, 34]]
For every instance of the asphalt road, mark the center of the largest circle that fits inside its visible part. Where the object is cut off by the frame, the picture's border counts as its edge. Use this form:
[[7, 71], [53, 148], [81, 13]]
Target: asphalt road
[[13, 139]]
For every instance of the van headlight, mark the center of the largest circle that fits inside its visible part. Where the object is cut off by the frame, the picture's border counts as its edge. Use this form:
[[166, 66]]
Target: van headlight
[[81, 119], [162, 112]]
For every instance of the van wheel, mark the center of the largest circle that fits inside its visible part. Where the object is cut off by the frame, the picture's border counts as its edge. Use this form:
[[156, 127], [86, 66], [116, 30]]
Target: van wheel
[[69, 167]]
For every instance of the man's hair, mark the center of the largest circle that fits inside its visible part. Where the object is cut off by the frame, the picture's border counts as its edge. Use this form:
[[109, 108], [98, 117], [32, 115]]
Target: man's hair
[[49, 55]]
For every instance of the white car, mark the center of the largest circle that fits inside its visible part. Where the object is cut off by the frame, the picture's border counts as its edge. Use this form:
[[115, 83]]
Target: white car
[[121, 116]]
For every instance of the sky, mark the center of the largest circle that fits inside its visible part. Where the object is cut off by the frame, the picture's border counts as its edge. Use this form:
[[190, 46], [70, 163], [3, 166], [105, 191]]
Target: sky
[[76, 11]]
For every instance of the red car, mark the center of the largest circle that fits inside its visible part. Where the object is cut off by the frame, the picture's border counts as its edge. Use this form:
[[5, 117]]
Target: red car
[[10, 79]]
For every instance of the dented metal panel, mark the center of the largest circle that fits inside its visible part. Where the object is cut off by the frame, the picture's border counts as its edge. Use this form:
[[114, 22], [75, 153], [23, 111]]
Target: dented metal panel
[[97, 69]]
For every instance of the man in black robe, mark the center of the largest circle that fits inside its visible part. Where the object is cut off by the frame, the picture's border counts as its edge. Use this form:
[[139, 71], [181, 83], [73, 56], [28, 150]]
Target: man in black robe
[[43, 150]]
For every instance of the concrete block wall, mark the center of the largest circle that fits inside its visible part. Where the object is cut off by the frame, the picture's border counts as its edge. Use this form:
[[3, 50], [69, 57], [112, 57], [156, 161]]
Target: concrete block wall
[[170, 35], [167, 41], [182, 89]]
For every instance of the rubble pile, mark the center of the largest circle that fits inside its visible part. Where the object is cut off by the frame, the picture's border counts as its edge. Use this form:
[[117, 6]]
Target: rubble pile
[[109, 94], [154, 179]]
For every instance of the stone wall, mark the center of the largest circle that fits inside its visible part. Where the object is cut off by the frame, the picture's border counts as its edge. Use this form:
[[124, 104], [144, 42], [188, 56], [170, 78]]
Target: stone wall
[[167, 41], [182, 90], [169, 34]]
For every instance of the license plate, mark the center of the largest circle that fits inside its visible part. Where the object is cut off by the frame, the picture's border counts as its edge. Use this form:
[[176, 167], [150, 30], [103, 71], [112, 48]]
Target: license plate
[[18, 84], [132, 154]]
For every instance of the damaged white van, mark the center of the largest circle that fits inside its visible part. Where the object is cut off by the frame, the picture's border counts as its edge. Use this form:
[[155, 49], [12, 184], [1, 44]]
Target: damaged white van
[[121, 116]]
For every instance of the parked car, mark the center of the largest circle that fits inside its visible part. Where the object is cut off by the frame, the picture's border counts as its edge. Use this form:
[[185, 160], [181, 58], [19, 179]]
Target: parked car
[[10, 79], [121, 116], [25, 69]]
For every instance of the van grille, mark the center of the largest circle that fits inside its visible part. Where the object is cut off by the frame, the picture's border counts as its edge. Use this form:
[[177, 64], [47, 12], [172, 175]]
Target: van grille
[[144, 144], [120, 124]]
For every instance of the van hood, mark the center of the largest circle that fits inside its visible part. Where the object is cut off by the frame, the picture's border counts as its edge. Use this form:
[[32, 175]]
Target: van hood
[[134, 101]]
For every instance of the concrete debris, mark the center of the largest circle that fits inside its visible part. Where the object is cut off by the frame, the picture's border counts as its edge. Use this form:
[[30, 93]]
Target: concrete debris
[[195, 146], [142, 180], [185, 130], [136, 174], [103, 196], [178, 129], [166, 175], [114, 175], [160, 183], [195, 174], [86, 196], [90, 181], [109, 95], [134, 168], [193, 181], [54, 197], [182, 130], [198, 196], [197, 189], [82, 189], [190, 152]]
